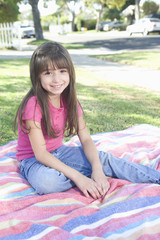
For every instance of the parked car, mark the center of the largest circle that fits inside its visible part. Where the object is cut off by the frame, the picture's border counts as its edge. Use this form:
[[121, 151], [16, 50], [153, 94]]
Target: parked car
[[114, 25], [154, 15], [27, 31], [102, 24], [144, 26]]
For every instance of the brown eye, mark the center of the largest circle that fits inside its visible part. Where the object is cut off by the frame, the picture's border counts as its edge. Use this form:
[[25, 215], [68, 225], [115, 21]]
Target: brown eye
[[47, 73]]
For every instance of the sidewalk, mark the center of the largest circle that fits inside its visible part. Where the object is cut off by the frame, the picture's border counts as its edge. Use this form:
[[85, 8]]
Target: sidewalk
[[116, 72], [110, 71]]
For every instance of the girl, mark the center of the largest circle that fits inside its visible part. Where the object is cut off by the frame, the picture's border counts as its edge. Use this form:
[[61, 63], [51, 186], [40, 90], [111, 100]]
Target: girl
[[51, 109]]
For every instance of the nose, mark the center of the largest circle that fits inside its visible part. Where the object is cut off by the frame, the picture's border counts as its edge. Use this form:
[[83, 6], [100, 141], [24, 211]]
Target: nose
[[55, 77]]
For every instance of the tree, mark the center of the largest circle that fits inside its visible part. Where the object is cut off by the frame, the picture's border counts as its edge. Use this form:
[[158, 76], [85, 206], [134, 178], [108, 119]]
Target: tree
[[71, 6], [128, 10], [137, 9], [36, 18], [112, 14], [8, 10], [112, 4], [116, 3], [120, 3], [150, 8], [99, 6]]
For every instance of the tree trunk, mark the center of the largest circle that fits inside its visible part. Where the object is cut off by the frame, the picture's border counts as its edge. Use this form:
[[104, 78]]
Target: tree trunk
[[99, 19], [73, 20], [36, 19], [137, 9]]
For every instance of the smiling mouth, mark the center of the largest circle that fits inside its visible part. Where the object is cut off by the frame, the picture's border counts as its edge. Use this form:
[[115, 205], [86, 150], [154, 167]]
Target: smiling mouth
[[56, 86]]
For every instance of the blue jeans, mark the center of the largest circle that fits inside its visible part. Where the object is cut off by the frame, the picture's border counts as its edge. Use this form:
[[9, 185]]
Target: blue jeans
[[47, 180]]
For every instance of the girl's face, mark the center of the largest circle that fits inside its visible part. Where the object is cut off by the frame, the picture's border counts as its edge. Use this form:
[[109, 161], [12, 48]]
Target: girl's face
[[54, 80]]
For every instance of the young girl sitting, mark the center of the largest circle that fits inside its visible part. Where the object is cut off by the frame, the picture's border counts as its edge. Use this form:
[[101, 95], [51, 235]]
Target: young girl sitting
[[51, 110]]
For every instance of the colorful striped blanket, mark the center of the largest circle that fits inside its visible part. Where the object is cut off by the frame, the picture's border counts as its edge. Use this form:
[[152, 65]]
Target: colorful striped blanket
[[128, 211]]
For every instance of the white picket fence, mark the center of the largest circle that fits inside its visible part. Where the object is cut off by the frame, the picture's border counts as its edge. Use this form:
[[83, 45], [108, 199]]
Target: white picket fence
[[10, 36]]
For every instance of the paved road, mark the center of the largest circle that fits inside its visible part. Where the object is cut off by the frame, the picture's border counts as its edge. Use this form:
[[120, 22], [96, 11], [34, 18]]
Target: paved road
[[128, 43], [113, 41], [107, 70]]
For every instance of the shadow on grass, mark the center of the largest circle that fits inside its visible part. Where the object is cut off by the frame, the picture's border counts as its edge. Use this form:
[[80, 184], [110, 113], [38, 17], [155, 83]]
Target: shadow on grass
[[15, 85], [13, 63]]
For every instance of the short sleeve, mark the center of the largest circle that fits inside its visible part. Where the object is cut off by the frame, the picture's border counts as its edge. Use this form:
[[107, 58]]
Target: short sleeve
[[32, 110], [80, 112]]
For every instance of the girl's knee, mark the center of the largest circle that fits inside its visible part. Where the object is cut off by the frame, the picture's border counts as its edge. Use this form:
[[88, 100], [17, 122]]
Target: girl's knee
[[52, 185]]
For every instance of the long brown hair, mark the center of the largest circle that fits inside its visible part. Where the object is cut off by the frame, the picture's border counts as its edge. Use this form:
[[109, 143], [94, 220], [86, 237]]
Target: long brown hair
[[55, 53]]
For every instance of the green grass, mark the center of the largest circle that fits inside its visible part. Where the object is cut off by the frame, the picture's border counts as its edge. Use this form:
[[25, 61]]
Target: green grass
[[108, 106], [13, 85], [137, 58]]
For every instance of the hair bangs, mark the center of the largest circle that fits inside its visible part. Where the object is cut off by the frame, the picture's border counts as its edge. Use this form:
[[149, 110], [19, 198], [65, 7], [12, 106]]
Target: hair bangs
[[43, 64], [46, 62], [60, 62]]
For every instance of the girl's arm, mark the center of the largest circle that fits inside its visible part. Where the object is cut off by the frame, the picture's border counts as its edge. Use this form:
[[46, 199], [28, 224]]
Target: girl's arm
[[42, 155], [93, 157]]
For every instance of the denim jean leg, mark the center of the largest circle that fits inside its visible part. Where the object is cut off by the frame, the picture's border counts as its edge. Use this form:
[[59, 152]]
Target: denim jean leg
[[75, 158], [44, 179], [130, 171]]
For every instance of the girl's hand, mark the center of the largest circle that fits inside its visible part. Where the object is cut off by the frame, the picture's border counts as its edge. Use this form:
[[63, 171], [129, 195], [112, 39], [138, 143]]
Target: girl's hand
[[101, 180], [89, 187]]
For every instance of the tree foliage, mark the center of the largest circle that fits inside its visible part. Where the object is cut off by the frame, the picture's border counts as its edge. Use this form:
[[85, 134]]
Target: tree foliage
[[120, 4], [112, 14], [116, 3], [8, 10], [150, 7]]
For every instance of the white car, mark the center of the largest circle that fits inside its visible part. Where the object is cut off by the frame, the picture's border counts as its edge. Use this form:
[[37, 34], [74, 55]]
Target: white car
[[27, 31], [144, 26]]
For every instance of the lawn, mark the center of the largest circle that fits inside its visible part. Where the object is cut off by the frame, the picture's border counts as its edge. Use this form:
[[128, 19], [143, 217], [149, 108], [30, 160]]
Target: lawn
[[137, 58], [108, 106]]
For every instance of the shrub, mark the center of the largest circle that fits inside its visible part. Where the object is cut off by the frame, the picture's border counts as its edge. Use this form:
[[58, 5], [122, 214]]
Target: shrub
[[90, 24]]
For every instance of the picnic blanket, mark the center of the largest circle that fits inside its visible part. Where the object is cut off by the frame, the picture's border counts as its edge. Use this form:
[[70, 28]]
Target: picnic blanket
[[128, 211]]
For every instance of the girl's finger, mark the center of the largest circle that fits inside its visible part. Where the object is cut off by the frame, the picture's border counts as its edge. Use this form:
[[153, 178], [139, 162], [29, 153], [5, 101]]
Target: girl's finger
[[94, 192], [85, 192]]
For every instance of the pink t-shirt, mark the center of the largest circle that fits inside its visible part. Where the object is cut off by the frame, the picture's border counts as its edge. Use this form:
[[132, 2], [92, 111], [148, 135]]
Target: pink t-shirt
[[24, 149]]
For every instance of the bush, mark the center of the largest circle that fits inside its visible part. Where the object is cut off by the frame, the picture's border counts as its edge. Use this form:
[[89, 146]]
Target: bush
[[90, 24]]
